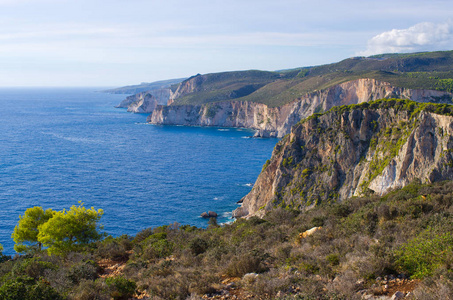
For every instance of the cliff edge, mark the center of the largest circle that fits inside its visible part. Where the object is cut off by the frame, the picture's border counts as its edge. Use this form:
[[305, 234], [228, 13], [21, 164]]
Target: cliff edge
[[355, 150], [277, 121]]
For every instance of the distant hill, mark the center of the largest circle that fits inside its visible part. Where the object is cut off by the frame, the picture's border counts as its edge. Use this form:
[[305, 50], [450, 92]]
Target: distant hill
[[427, 70], [223, 86], [144, 87]]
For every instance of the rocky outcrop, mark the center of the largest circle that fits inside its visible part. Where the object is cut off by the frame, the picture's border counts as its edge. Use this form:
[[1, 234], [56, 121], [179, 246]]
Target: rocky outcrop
[[355, 150], [277, 121], [191, 85], [146, 102]]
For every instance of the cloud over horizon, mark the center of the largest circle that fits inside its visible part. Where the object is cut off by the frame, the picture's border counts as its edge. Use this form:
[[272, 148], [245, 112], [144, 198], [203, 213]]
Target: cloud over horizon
[[424, 36]]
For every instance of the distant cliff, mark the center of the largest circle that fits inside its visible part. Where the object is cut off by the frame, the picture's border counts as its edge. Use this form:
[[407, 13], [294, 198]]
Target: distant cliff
[[145, 87], [355, 150], [145, 102], [277, 121]]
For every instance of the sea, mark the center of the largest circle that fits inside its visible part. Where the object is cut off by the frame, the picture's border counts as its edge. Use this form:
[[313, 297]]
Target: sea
[[59, 146]]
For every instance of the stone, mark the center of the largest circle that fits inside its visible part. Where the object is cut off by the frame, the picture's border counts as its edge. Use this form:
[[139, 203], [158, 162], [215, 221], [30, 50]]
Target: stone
[[212, 214], [250, 278], [205, 215], [398, 295], [309, 232]]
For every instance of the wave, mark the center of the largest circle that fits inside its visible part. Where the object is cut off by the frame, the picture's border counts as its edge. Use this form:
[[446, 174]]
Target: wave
[[74, 139]]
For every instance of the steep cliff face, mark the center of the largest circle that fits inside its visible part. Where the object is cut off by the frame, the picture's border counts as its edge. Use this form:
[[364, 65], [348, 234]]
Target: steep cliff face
[[277, 121], [355, 150], [191, 85], [146, 102]]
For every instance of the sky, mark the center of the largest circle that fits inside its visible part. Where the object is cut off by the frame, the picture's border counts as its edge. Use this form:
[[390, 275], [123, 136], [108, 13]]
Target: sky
[[117, 43]]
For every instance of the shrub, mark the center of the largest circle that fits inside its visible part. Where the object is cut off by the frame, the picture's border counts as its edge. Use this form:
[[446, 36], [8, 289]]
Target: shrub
[[421, 256], [115, 249], [333, 259], [26, 288], [198, 246], [33, 267], [158, 249], [89, 290], [83, 270], [120, 287], [240, 266]]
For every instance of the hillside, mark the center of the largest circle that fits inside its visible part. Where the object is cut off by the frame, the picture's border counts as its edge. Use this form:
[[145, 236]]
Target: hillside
[[429, 70], [355, 150], [144, 87], [363, 248], [201, 89]]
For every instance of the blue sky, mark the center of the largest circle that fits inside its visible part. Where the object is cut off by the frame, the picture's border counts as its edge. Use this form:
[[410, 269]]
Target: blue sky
[[115, 43]]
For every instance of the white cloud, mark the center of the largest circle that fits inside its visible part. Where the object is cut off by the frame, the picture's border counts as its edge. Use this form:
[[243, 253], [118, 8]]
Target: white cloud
[[420, 37]]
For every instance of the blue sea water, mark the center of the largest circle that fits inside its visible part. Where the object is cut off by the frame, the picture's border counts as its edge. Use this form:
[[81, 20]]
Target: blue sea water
[[61, 146]]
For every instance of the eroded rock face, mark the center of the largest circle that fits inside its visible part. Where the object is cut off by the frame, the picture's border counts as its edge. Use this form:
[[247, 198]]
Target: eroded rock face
[[277, 121], [146, 102], [351, 151]]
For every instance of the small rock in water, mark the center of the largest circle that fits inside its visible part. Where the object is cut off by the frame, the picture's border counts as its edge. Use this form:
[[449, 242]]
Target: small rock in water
[[212, 214], [205, 215]]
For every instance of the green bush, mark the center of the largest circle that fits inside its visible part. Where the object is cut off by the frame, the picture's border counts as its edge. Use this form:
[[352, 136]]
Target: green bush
[[33, 267], [198, 246], [421, 256], [333, 259], [120, 287], [26, 288]]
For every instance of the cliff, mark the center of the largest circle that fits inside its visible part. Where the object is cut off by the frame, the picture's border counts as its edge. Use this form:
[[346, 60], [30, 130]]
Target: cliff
[[146, 102], [355, 150], [144, 87], [277, 121]]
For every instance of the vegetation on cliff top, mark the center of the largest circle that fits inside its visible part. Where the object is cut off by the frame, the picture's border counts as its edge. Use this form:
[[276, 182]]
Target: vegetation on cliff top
[[410, 106], [428, 70], [373, 245]]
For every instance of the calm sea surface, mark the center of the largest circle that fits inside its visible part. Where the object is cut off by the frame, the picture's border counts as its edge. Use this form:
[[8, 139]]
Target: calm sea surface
[[61, 146]]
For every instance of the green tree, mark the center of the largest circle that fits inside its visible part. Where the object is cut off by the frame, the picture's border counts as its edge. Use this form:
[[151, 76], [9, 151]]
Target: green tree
[[25, 233], [70, 229]]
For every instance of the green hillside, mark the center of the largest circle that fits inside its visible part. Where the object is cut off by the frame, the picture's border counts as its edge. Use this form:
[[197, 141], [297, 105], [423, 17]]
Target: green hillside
[[225, 86], [428, 70]]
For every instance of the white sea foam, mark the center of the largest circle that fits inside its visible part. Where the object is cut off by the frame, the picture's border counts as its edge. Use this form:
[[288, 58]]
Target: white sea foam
[[74, 139]]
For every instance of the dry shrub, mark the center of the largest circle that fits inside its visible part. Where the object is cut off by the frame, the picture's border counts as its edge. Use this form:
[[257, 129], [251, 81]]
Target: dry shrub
[[435, 288], [242, 265], [182, 284], [345, 285], [89, 290], [267, 285]]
